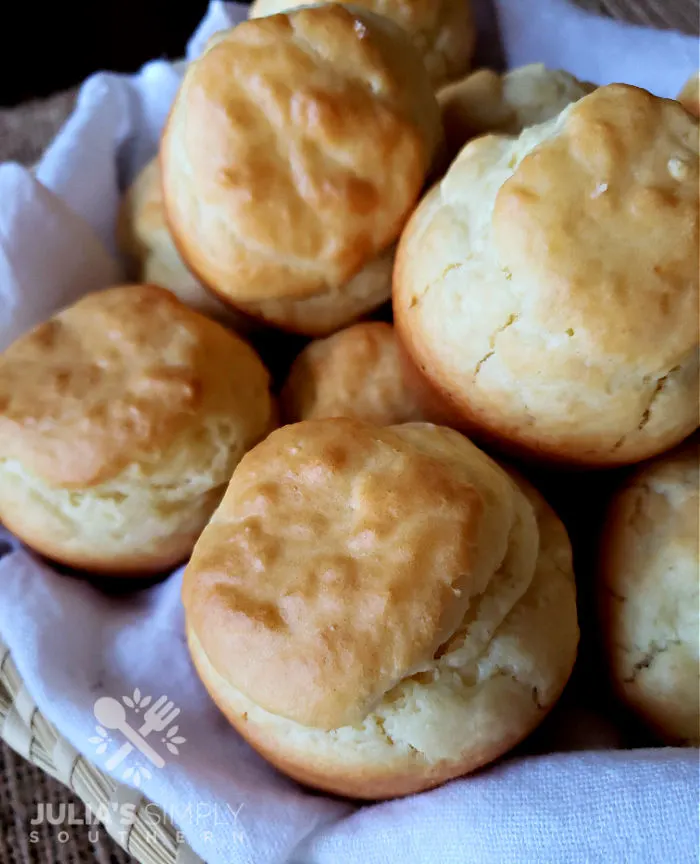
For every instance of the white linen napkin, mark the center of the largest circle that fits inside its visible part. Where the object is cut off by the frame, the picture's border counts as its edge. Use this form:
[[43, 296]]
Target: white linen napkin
[[74, 644]]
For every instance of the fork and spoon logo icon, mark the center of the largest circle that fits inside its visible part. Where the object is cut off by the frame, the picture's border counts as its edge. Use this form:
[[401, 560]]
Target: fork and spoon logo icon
[[111, 715]]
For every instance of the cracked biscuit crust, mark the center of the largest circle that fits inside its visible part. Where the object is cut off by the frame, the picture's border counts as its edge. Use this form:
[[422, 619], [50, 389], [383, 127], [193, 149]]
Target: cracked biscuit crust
[[547, 288], [649, 594], [457, 657]]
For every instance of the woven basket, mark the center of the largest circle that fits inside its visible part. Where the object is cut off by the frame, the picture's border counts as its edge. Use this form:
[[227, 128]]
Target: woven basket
[[151, 837]]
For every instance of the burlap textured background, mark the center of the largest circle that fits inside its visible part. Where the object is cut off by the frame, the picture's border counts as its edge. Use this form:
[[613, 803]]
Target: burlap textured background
[[24, 133], [26, 130]]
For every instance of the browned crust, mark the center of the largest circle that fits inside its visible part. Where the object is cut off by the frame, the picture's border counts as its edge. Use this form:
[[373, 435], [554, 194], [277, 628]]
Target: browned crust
[[407, 132], [436, 407], [251, 315], [622, 441], [172, 228]]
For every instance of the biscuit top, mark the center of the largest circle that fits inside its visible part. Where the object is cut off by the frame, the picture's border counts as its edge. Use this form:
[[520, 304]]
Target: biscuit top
[[353, 373], [295, 149], [442, 30], [115, 379], [600, 222], [343, 556]]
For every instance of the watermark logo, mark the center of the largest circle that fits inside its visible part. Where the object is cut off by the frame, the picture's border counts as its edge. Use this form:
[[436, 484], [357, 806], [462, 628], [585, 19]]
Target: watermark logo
[[136, 718], [208, 821]]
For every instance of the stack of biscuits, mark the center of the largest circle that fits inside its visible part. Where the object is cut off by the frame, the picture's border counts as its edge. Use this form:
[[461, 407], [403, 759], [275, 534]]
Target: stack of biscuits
[[375, 596]]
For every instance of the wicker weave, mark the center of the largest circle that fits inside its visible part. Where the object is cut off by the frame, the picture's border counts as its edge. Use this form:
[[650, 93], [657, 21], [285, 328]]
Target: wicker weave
[[151, 837], [21, 785]]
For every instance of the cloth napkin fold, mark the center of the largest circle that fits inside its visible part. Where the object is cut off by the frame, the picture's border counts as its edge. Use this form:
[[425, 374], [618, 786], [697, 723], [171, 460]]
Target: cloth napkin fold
[[74, 643]]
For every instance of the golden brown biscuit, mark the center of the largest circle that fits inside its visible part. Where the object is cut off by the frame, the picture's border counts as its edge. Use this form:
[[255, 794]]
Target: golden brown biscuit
[[547, 288], [121, 421], [649, 594], [689, 97], [144, 238], [442, 30], [295, 150], [402, 611], [486, 101], [354, 373]]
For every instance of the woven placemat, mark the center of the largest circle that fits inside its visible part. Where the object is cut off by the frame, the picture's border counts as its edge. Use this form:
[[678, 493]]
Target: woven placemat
[[24, 133]]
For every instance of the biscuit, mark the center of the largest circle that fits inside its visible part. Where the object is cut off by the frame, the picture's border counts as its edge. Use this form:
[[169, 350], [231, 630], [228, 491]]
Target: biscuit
[[442, 31], [547, 289], [323, 314], [121, 421], [295, 151], [487, 101], [144, 239], [649, 594], [401, 610], [354, 373]]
